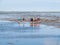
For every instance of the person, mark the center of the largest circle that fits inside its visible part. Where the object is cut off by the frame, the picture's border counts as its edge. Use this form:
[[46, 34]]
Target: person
[[18, 20], [23, 19], [35, 21], [38, 21], [31, 21]]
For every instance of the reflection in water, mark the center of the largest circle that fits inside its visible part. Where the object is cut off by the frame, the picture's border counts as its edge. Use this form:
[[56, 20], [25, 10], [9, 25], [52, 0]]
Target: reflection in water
[[12, 26], [10, 34], [51, 41]]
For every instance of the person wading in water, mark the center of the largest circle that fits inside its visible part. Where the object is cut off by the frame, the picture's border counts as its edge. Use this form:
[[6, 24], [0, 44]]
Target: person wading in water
[[19, 20], [34, 21]]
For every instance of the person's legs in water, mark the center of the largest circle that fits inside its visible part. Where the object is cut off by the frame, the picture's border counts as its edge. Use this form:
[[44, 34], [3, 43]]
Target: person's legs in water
[[18, 23]]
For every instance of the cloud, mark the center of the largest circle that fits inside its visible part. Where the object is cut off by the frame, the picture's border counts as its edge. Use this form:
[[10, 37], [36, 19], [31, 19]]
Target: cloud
[[35, 5], [50, 1]]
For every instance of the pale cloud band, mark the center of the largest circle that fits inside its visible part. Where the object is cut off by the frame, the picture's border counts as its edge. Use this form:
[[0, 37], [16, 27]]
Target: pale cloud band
[[29, 5]]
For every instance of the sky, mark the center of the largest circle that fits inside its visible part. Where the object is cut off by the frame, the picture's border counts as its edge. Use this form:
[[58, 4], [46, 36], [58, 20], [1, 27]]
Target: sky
[[29, 5]]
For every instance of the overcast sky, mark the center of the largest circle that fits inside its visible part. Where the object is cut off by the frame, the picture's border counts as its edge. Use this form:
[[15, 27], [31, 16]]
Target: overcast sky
[[29, 5]]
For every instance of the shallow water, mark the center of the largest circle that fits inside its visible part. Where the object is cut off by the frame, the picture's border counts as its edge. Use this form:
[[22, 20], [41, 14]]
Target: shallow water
[[12, 34]]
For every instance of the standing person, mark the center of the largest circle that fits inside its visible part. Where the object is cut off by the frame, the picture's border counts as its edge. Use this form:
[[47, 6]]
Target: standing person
[[38, 21], [18, 20], [35, 22], [31, 21], [23, 20]]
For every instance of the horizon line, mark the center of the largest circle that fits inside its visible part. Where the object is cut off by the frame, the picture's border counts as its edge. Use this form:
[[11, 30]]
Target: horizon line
[[27, 11]]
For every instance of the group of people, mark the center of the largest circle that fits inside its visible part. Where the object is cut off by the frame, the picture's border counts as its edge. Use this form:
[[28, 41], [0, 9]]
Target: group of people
[[33, 21]]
